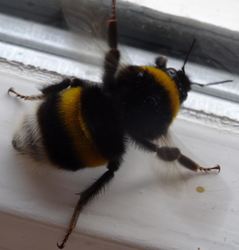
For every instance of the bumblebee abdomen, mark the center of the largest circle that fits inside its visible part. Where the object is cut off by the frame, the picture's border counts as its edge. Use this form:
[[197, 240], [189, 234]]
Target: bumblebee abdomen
[[70, 111], [66, 137], [81, 127]]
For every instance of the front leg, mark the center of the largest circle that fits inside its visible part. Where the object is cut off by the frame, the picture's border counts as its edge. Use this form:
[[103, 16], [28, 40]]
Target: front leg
[[89, 194], [112, 57], [174, 154]]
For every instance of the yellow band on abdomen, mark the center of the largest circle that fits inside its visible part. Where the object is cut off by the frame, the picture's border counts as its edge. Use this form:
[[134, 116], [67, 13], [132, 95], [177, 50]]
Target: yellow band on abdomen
[[71, 115]]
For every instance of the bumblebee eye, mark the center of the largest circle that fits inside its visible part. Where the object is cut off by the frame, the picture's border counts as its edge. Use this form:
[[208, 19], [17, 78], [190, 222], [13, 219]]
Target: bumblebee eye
[[140, 74], [172, 72]]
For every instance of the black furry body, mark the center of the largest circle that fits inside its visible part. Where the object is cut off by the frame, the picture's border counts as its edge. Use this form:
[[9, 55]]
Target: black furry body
[[146, 104], [111, 115], [102, 118]]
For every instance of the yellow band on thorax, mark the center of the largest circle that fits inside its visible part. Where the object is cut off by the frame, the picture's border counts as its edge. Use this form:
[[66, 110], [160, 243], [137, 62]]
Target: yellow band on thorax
[[164, 80]]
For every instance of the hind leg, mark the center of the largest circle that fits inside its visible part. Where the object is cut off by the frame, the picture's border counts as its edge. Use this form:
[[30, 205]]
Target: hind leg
[[50, 89], [66, 83], [45, 91], [88, 195], [25, 97]]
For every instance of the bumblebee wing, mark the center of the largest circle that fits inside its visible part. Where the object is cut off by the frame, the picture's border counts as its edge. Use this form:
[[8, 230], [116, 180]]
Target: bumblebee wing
[[88, 22], [84, 18], [85, 27]]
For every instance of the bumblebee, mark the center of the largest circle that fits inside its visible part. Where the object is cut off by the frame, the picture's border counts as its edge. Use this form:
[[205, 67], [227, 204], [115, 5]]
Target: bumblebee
[[78, 124]]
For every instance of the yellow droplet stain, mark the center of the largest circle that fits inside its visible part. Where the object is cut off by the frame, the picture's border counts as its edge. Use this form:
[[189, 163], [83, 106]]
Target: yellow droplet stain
[[200, 189]]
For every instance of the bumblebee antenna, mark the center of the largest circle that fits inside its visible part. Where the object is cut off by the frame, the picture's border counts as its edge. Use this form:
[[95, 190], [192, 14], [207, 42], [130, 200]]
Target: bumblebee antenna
[[188, 54], [211, 83], [200, 84]]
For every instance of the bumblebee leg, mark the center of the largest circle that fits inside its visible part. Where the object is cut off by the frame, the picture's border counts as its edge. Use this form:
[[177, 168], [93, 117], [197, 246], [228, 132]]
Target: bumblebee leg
[[113, 55], [66, 83], [112, 28], [174, 154], [25, 97], [76, 82], [54, 88], [87, 195]]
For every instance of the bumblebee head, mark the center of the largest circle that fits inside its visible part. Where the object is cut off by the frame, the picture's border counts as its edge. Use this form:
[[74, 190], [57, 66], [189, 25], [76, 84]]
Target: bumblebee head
[[179, 76], [150, 96]]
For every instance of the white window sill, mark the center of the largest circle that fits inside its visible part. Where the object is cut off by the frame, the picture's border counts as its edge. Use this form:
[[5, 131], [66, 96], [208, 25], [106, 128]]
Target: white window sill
[[139, 210]]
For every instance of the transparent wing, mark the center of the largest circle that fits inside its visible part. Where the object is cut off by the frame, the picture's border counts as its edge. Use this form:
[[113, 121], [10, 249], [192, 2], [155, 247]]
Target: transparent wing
[[83, 17], [88, 20], [88, 28]]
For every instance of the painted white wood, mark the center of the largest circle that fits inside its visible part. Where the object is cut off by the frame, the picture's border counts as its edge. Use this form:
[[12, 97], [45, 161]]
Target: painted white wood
[[54, 67], [145, 207]]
